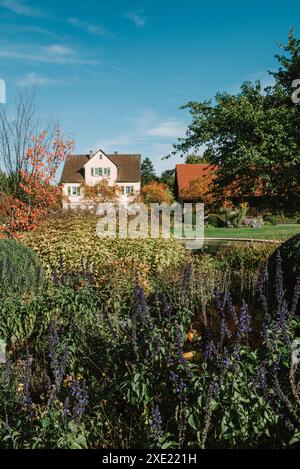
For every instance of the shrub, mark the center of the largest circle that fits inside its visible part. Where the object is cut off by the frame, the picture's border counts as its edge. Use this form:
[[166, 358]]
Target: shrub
[[215, 221], [73, 238], [290, 254], [20, 269], [139, 380], [244, 255], [271, 219]]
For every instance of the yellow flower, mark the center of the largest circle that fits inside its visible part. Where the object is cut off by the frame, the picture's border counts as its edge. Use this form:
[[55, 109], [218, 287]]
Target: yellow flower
[[20, 387], [67, 380], [193, 356]]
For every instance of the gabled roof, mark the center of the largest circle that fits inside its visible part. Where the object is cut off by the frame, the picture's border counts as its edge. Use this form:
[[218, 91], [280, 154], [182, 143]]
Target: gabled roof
[[129, 167], [186, 173], [73, 169]]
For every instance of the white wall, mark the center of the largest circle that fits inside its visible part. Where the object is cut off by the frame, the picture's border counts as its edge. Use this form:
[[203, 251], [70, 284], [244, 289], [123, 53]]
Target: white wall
[[100, 160]]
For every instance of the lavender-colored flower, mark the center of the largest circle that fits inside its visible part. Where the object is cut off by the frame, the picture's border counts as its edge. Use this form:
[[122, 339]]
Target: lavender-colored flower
[[80, 394], [261, 280], [244, 327], [180, 386], [26, 398], [140, 301], [209, 349], [134, 333], [279, 289], [230, 308], [58, 365], [260, 380], [66, 408], [157, 424], [225, 358]]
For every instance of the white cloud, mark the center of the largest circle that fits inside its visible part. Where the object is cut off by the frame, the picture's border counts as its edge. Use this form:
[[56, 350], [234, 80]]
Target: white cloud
[[91, 28], [119, 69], [33, 79], [137, 18], [57, 54], [171, 128], [147, 132], [20, 8], [58, 50]]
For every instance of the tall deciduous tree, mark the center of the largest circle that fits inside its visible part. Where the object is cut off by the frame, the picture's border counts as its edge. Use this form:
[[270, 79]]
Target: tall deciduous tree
[[37, 188], [156, 192], [17, 126], [254, 135]]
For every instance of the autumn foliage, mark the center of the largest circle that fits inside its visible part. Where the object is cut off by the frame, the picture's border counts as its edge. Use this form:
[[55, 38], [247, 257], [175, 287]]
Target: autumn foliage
[[156, 192], [199, 190], [100, 192], [37, 191]]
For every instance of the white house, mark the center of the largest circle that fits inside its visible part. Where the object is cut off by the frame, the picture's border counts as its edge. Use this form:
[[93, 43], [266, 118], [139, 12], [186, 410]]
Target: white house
[[123, 170]]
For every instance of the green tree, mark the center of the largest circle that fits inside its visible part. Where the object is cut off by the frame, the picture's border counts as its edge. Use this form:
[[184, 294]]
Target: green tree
[[196, 159], [148, 171], [168, 178], [254, 135]]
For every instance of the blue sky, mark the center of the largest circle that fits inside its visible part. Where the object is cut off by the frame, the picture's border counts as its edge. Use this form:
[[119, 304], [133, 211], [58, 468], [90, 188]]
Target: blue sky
[[115, 71]]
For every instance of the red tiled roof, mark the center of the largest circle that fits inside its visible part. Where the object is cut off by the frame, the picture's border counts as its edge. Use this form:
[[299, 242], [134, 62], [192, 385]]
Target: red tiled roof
[[186, 173]]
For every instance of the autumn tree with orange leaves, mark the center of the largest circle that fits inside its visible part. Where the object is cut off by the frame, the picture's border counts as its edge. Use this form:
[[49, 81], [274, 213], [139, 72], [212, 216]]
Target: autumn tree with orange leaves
[[100, 192], [38, 191], [199, 190], [156, 192]]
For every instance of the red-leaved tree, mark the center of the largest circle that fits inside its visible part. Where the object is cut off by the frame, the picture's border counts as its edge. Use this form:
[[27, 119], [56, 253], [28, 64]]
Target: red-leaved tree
[[38, 190]]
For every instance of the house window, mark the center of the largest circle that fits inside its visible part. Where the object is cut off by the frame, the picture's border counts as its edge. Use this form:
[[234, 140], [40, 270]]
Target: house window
[[106, 171], [96, 171], [129, 190], [75, 191], [122, 190], [69, 191]]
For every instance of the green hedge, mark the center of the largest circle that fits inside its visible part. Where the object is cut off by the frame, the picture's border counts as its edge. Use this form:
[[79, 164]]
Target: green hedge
[[20, 269]]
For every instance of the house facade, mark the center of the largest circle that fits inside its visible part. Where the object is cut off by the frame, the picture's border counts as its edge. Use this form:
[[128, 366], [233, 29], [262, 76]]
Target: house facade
[[123, 170]]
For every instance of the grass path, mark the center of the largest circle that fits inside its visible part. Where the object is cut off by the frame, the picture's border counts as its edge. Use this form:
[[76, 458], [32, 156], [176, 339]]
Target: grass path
[[265, 232]]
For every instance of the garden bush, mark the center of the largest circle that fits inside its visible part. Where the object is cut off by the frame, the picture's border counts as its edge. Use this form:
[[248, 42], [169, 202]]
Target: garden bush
[[248, 256], [216, 221], [143, 378], [271, 219], [20, 269], [74, 238]]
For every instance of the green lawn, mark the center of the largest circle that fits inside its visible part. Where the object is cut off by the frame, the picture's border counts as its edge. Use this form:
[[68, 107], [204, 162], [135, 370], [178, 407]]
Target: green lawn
[[265, 232]]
